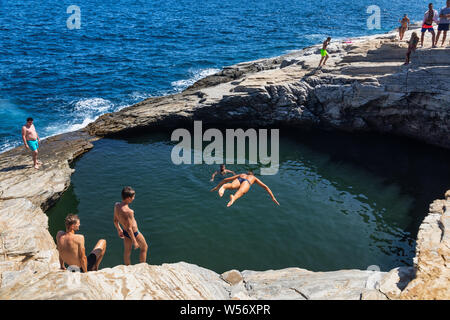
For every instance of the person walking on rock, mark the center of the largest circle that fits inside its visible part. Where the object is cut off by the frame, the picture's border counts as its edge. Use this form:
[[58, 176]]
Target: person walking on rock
[[31, 140], [323, 52], [427, 25]]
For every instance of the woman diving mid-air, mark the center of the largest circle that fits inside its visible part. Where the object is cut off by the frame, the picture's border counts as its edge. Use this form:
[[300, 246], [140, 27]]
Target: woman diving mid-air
[[242, 182]]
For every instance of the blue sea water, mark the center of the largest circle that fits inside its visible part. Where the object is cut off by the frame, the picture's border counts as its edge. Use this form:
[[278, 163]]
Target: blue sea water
[[128, 50]]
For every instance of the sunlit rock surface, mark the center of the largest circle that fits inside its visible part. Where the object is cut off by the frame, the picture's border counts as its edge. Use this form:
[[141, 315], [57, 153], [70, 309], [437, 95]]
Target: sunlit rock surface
[[364, 87]]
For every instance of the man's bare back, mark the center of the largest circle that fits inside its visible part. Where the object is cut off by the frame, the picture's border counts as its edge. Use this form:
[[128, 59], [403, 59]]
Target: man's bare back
[[130, 234], [71, 248]]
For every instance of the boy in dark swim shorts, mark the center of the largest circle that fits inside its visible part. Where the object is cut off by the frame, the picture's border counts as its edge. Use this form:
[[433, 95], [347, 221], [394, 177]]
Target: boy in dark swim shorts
[[130, 234]]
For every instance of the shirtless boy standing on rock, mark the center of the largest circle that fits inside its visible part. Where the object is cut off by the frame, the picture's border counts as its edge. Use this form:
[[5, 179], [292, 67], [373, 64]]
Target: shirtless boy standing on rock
[[31, 140], [124, 216], [71, 247], [324, 52]]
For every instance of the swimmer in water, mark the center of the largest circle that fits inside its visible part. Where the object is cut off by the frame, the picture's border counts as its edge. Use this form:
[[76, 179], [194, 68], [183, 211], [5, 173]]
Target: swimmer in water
[[223, 171], [242, 182]]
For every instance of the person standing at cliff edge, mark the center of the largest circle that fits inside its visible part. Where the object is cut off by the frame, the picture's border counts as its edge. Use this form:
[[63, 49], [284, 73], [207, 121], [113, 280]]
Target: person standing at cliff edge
[[323, 52], [444, 23], [31, 140], [427, 25], [130, 234]]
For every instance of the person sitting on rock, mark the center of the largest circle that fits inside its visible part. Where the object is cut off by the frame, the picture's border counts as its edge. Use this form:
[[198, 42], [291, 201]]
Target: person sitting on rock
[[412, 46], [130, 234], [242, 182], [223, 171], [71, 247], [427, 25], [323, 52]]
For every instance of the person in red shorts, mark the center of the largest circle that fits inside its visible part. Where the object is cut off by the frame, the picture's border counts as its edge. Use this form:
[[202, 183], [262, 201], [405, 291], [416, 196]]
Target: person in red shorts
[[427, 25]]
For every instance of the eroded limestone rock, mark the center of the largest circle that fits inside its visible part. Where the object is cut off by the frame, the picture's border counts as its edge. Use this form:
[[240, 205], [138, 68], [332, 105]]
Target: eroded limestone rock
[[364, 88]]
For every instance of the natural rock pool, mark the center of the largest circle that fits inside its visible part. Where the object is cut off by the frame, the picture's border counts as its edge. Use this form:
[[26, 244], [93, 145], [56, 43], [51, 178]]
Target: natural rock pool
[[347, 202]]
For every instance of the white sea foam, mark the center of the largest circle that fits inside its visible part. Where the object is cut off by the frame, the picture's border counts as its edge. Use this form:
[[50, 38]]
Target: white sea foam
[[8, 145], [138, 96], [67, 127], [85, 111], [314, 36], [196, 74], [94, 105]]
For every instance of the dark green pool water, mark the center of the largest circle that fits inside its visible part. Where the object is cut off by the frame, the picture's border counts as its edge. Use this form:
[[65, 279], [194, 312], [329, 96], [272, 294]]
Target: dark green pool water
[[346, 202]]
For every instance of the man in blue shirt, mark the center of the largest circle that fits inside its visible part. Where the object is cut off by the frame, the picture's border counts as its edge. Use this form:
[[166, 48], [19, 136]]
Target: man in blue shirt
[[444, 22]]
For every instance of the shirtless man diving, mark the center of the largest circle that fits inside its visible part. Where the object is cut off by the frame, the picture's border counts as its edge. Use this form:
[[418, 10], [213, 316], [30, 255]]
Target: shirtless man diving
[[124, 216], [242, 182], [71, 247], [31, 140]]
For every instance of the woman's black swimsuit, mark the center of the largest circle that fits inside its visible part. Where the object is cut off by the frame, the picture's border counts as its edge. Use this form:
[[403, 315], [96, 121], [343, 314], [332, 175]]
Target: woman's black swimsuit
[[243, 179]]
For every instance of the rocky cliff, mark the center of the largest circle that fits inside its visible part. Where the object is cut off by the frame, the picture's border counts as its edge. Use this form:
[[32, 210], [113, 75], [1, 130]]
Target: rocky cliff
[[364, 88]]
